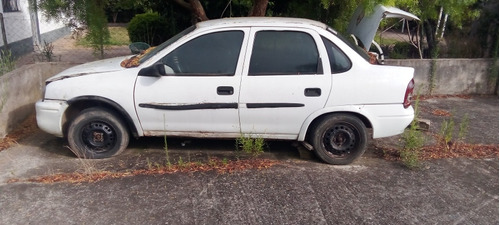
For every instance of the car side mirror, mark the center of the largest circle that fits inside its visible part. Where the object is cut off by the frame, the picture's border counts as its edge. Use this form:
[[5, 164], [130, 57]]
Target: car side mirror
[[156, 70]]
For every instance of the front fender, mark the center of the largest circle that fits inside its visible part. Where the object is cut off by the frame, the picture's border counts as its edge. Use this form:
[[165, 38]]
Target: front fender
[[110, 104]]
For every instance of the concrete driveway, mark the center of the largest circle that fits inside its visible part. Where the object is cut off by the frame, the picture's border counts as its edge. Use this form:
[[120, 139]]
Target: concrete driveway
[[295, 191]]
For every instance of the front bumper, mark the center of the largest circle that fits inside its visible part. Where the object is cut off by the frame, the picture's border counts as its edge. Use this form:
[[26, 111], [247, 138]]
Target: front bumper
[[49, 116]]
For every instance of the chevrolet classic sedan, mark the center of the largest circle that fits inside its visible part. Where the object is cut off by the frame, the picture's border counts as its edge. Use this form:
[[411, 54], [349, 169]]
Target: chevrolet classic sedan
[[272, 78]]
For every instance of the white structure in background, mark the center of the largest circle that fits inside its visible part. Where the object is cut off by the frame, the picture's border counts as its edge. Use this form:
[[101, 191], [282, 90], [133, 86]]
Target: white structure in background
[[25, 29]]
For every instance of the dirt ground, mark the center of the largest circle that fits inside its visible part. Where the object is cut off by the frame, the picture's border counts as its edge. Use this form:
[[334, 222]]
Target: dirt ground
[[66, 50]]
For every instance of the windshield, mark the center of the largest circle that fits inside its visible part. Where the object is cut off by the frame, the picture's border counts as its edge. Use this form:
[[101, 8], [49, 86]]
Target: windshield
[[138, 59], [350, 43], [166, 44]]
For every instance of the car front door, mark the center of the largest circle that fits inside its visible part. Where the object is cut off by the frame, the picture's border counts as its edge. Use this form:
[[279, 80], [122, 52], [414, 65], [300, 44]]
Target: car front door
[[285, 81], [199, 94]]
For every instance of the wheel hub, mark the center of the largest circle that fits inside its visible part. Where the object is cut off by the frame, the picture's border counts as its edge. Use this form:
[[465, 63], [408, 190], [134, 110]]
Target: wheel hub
[[339, 140], [98, 136]]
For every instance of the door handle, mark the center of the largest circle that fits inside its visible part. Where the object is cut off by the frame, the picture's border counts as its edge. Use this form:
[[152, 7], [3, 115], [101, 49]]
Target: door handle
[[312, 92], [225, 90]]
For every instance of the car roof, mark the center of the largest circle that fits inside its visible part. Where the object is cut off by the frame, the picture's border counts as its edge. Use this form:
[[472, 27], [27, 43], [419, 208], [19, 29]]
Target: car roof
[[261, 21]]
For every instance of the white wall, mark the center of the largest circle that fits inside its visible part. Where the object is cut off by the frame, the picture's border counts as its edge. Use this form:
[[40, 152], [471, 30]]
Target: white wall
[[48, 25], [18, 24]]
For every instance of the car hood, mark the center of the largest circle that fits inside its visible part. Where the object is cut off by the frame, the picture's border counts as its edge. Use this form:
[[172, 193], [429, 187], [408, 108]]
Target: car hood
[[364, 27], [101, 66]]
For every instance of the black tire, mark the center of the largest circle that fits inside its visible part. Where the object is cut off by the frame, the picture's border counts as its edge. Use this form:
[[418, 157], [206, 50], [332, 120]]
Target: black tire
[[97, 133], [339, 139]]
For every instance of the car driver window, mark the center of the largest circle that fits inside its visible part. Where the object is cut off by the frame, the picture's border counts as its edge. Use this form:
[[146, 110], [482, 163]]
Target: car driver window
[[214, 54]]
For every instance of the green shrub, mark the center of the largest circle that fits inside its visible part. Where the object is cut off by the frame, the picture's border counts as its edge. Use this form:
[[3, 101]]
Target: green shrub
[[401, 50], [150, 28]]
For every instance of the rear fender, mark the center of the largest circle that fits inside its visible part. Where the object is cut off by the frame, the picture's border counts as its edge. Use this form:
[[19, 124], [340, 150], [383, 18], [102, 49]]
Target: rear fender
[[352, 109]]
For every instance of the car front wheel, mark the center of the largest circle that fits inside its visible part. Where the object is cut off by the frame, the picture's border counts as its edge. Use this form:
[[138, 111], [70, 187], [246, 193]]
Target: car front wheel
[[97, 133], [339, 139]]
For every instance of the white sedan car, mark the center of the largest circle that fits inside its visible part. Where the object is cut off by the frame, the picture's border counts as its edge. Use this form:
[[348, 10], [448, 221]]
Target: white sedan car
[[273, 78]]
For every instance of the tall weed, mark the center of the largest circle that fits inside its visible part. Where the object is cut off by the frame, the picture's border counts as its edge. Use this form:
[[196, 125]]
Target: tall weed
[[7, 62], [413, 140]]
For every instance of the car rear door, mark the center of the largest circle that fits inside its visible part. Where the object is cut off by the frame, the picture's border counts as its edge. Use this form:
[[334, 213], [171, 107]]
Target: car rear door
[[199, 94], [285, 80]]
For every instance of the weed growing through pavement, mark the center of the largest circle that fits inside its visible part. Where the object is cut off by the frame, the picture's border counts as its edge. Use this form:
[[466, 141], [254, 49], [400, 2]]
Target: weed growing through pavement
[[149, 163], [447, 131], [413, 141], [180, 163], [212, 162], [463, 127], [250, 145], [87, 165], [165, 144]]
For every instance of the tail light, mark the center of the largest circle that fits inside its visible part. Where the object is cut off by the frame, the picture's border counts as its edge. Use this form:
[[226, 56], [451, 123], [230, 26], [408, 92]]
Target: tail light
[[409, 94]]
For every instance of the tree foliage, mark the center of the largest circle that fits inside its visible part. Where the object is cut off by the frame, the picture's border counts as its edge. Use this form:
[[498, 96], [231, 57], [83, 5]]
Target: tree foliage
[[429, 11], [150, 28], [77, 13], [337, 13], [98, 33]]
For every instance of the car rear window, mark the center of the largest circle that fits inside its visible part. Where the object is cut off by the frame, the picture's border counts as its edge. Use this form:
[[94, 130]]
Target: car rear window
[[284, 53]]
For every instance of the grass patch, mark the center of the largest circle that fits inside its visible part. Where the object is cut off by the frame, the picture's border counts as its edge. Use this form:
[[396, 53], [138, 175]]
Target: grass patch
[[118, 37]]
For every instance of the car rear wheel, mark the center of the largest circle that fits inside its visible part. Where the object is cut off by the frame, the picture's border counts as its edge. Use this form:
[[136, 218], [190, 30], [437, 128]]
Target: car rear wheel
[[97, 133], [339, 139]]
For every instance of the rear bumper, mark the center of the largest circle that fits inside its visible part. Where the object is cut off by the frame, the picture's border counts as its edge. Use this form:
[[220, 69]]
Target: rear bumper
[[389, 120], [49, 116]]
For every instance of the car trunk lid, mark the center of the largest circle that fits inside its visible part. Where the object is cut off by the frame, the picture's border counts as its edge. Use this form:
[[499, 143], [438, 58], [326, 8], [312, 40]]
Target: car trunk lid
[[364, 27]]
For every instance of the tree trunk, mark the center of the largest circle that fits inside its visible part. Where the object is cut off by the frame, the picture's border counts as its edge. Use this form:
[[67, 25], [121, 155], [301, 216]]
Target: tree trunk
[[430, 36], [197, 11], [258, 8], [115, 16]]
